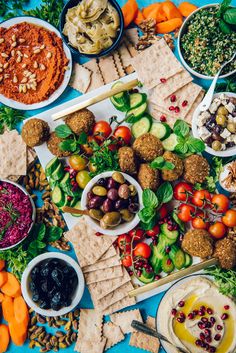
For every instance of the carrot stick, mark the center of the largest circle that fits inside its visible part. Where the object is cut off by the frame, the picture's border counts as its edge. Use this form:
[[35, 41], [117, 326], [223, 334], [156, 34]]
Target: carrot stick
[[18, 332], [171, 10], [2, 265], [11, 287], [4, 338], [168, 26], [3, 278], [186, 8], [8, 309], [21, 311], [139, 18], [129, 10], [2, 296]]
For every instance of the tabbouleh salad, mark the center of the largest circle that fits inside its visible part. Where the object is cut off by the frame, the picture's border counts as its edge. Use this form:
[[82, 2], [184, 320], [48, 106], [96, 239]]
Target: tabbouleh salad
[[205, 47]]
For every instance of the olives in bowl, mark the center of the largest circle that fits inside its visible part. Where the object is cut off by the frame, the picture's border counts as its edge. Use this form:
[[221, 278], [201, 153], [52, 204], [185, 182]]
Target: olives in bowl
[[113, 200]]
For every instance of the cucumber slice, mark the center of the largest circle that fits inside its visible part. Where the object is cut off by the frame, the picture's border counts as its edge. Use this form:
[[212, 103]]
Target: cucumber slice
[[167, 265], [78, 207], [65, 181], [170, 234], [188, 260], [160, 130], [141, 127], [170, 143], [136, 99], [137, 112], [155, 263], [177, 256], [115, 85], [58, 173], [164, 241], [52, 166], [146, 277], [121, 105], [58, 196], [52, 183]]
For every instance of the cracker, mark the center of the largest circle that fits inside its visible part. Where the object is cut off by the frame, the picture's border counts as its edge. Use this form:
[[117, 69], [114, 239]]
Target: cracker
[[125, 319], [113, 334], [108, 69], [143, 341], [109, 253], [125, 56], [172, 84], [96, 77], [81, 78], [154, 63], [132, 35], [131, 48], [91, 346], [121, 304], [102, 275], [103, 264], [118, 63], [189, 116]]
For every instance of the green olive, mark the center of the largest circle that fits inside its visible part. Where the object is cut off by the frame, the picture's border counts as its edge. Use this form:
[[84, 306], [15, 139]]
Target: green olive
[[216, 145], [110, 219], [133, 190], [231, 127], [221, 119], [118, 177], [96, 214], [222, 110], [99, 191], [126, 215]]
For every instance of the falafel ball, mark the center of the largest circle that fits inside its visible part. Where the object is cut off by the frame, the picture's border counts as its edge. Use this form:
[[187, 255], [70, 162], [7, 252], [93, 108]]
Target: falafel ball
[[148, 177], [127, 160], [147, 147], [173, 174], [196, 169], [198, 242], [53, 146], [81, 121], [35, 132], [225, 252]]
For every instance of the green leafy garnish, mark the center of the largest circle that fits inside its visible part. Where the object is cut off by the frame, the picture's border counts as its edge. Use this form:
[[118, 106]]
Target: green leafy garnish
[[71, 141], [103, 159], [225, 279], [165, 192], [63, 131], [227, 15], [211, 181], [149, 198], [228, 85], [162, 164], [9, 118]]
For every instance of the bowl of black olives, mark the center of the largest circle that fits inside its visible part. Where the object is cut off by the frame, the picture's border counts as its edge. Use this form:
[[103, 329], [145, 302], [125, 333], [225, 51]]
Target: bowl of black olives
[[52, 284], [112, 200]]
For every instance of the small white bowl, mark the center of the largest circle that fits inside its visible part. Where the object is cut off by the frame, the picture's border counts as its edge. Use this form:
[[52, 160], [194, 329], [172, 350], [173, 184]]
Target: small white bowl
[[26, 280], [229, 151], [181, 32], [123, 227]]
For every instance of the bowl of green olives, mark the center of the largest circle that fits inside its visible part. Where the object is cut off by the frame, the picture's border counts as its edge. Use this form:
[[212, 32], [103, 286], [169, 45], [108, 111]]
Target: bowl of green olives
[[52, 284], [113, 200], [216, 127]]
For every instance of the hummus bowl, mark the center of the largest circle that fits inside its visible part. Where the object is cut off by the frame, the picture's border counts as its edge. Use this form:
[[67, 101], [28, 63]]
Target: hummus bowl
[[195, 316]]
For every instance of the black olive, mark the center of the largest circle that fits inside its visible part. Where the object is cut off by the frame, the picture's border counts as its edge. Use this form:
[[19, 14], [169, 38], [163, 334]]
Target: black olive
[[133, 207], [55, 307], [35, 296], [52, 292], [44, 305], [57, 298], [44, 272], [67, 302], [102, 182], [32, 286], [57, 276], [34, 273]]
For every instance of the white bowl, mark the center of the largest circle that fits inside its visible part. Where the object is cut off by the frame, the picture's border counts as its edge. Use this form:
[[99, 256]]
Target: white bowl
[[123, 227], [36, 21], [33, 211], [26, 280], [229, 151], [181, 32]]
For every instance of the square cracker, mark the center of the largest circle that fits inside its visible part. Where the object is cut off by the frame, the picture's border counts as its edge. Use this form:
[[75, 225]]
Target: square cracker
[[81, 78], [96, 77], [125, 319], [132, 35], [154, 63], [102, 275], [143, 341], [91, 346], [125, 56], [103, 264], [113, 334], [118, 63], [121, 304], [189, 116], [108, 69]]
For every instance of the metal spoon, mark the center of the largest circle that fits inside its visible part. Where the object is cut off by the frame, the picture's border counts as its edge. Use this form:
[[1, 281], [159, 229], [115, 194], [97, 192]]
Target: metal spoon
[[139, 326], [205, 104]]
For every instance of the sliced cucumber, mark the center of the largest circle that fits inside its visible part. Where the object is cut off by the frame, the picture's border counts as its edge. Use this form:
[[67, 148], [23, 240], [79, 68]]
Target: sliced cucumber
[[52, 183], [78, 207], [164, 241], [155, 263], [141, 127], [177, 256], [58, 196], [146, 277], [58, 173], [118, 95], [122, 105], [52, 166], [170, 143], [170, 234], [65, 181], [136, 99], [188, 260], [167, 265], [160, 130], [137, 112]]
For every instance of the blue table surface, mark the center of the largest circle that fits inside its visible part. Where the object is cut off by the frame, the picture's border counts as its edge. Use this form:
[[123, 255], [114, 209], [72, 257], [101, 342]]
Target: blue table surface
[[148, 306]]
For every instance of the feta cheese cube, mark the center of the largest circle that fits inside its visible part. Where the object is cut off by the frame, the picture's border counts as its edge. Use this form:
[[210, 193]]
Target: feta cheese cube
[[214, 106], [225, 134], [223, 147], [230, 107], [202, 119], [204, 133]]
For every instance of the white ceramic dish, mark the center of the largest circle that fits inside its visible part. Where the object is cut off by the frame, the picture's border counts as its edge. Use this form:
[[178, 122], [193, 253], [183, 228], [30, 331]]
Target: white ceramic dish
[[181, 32], [33, 211], [36, 21], [123, 227], [229, 151], [224, 175], [26, 280]]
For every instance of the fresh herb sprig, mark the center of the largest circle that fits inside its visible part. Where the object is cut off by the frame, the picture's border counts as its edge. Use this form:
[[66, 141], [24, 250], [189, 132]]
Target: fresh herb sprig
[[71, 141], [187, 144], [225, 279], [10, 118], [210, 182], [227, 15], [228, 85], [162, 164]]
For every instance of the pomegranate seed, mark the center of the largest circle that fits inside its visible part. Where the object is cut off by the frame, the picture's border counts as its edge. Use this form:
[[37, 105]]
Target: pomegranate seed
[[208, 324], [212, 320], [173, 312], [224, 316], [198, 343], [184, 103], [190, 316], [204, 319], [207, 346], [167, 249], [139, 273], [207, 332], [212, 349], [157, 277], [200, 325], [181, 314], [173, 98], [209, 311], [180, 320], [202, 336], [163, 80], [226, 307], [163, 118], [181, 303], [200, 313], [69, 198], [217, 337], [203, 308], [203, 345], [195, 312], [219, 327], [209, 339], [177, 110], [98, 234], [169, 262], [171, 108]]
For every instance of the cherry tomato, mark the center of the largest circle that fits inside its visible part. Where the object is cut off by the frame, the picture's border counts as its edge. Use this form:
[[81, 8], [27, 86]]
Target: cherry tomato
[[220, 203], [127, 261], [217, 230], [124, 133], [183, 191], [83, 178], [137, 234], [186, 212], [143, 250], [87, 148], [124, 242], [102, 130], [154, 231], [199, 222], [77, 162], [201, 198], [162, 212], [229, 219], [92, 167]]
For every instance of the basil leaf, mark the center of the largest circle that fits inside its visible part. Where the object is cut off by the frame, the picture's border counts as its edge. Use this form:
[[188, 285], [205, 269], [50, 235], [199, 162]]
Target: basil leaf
[[195, 145], [157, 163], [178, 221], [146, 214], [224, 27], [150, 224], [68, 145], [223, 7], [149, 199], [82, 138], [181, 128], [41, 232], [63, 131], [165, 192], [181, 147], [168, 166], [230, 16], [54, 233]]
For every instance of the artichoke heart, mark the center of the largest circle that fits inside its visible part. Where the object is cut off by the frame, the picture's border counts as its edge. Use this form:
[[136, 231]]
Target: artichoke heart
[[91, 10]]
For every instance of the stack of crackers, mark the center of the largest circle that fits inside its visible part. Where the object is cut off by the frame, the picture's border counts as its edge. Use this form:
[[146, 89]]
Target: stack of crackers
[[171, 91], [107, 280]]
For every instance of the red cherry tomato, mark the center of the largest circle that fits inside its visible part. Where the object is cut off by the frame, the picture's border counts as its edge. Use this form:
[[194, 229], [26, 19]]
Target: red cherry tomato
[[137, 234], [127, 261], [220, 203], [201, 198], [143, 250], [154, 231], [183, 191], [217, 230], [229, 219], [124, 242], [186, 212], [102, 130], [199, 222], [124, 133], [162, 212]]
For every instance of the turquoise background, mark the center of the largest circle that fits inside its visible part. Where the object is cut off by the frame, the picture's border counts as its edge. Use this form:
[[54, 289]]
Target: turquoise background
[[149, 306]]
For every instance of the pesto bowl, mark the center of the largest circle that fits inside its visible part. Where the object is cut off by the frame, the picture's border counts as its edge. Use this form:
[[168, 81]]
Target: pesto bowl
[[183, 30]]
